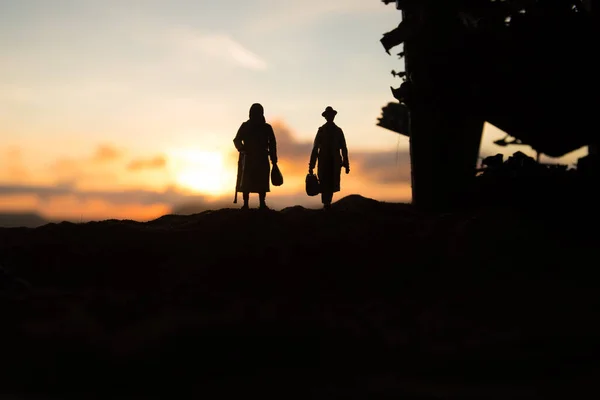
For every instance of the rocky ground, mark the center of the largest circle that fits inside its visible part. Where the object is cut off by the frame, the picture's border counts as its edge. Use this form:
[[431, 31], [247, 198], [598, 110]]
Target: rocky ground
[[370, 300]]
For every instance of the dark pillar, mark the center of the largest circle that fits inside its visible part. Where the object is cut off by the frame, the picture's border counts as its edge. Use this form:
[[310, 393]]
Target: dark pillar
[[445, 124], [444, 147]]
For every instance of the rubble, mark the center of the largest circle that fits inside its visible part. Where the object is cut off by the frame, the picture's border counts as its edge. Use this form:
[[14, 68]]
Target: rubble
[[521, 180]]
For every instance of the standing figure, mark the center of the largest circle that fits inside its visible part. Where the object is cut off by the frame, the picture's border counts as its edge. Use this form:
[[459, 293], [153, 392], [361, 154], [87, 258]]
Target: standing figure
[[330, 150], [256, 141]]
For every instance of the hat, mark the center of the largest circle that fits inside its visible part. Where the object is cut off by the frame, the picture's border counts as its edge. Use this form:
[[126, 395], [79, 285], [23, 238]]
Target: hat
[[329, 111]]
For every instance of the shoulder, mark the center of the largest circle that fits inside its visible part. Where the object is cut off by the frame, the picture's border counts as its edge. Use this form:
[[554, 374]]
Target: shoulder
[[268, 129], [242, 129]]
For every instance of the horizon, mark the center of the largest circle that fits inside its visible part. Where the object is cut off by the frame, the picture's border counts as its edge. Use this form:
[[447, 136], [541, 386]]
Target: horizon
[[24, 219], [127, 111]]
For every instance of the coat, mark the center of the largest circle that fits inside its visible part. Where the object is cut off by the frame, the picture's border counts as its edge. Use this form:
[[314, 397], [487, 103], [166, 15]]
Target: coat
[[257, 140], [330, 154]]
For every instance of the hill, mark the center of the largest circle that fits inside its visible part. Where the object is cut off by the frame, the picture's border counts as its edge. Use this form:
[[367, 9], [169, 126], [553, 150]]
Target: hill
[[369, 300], [16, 220], [274, 202]]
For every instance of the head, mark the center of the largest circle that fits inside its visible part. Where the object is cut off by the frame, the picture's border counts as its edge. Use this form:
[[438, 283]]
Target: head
[[257, 112], [329, 114]]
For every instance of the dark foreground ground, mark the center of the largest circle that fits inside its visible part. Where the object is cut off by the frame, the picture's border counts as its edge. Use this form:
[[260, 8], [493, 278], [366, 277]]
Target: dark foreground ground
[[368, 301]]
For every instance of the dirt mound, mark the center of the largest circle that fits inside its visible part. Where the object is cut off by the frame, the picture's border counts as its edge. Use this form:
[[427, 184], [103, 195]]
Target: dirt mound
[[367, 296]]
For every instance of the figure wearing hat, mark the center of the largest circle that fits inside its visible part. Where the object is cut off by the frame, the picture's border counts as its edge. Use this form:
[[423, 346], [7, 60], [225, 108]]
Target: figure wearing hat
[[329, 154]]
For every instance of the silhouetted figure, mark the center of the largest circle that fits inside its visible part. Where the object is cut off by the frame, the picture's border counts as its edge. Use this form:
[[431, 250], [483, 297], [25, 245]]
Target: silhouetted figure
[[256, 141], [330, 150]]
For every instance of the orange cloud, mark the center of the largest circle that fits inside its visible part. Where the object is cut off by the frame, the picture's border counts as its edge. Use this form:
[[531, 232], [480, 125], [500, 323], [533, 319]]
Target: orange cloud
[[378, 167], [99, 170], [77, 168], [14, 166], [156, 162], [18, 203], [74, 171], [85, 187], [75, 208], [67, 201], [106, 153], [65, 166]]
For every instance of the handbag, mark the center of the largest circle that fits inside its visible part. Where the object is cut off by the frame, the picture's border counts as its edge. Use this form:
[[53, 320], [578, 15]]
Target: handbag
[[276, 177], [313, 187]]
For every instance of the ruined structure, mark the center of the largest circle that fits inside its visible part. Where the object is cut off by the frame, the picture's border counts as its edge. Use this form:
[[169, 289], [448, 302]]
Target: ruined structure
[[528, 67]]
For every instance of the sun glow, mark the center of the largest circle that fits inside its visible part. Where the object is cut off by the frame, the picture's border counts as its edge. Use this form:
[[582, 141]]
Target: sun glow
[[202, 171]]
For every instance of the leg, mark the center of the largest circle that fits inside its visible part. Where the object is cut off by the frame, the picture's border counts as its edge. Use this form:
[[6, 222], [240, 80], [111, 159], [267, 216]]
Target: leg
[[262, 199], [326, 198], [246, 197]]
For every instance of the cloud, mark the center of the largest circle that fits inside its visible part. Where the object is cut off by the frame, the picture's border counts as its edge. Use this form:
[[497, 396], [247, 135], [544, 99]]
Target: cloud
[[384, 175], [103, 153], [288, 147], [171, 195], [67, 169], [65, 202], [174, 199], [218, 46], [157, 162], [106, 153], [380, 167], [99, 166], [68, 202], [87, 168], [14, 165], [386, 166], [36, 190]]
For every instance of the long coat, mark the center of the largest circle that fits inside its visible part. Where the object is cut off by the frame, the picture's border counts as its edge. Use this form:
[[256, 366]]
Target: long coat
[[257, 140], [330, 150]]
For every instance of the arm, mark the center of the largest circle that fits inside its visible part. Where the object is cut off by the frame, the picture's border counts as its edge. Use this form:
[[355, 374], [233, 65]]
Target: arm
[[272, 145], [238, 141], [345, 161], [315, 151]]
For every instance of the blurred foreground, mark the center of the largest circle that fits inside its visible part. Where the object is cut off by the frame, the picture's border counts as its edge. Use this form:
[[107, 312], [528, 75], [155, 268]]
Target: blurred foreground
[[370, 300]]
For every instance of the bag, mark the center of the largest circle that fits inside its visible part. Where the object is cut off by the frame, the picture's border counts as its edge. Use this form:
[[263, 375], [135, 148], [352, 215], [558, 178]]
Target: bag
[[313, 187], [276, 177]]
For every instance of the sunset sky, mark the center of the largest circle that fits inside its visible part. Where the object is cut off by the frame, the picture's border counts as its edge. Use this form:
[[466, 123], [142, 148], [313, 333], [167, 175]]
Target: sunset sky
[[128, 108]]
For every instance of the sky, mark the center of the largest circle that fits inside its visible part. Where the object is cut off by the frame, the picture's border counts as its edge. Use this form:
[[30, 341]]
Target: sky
[[127, 108]]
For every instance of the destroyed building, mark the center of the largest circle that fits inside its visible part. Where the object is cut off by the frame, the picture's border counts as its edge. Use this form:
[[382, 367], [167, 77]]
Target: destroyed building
[[502, 62]]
